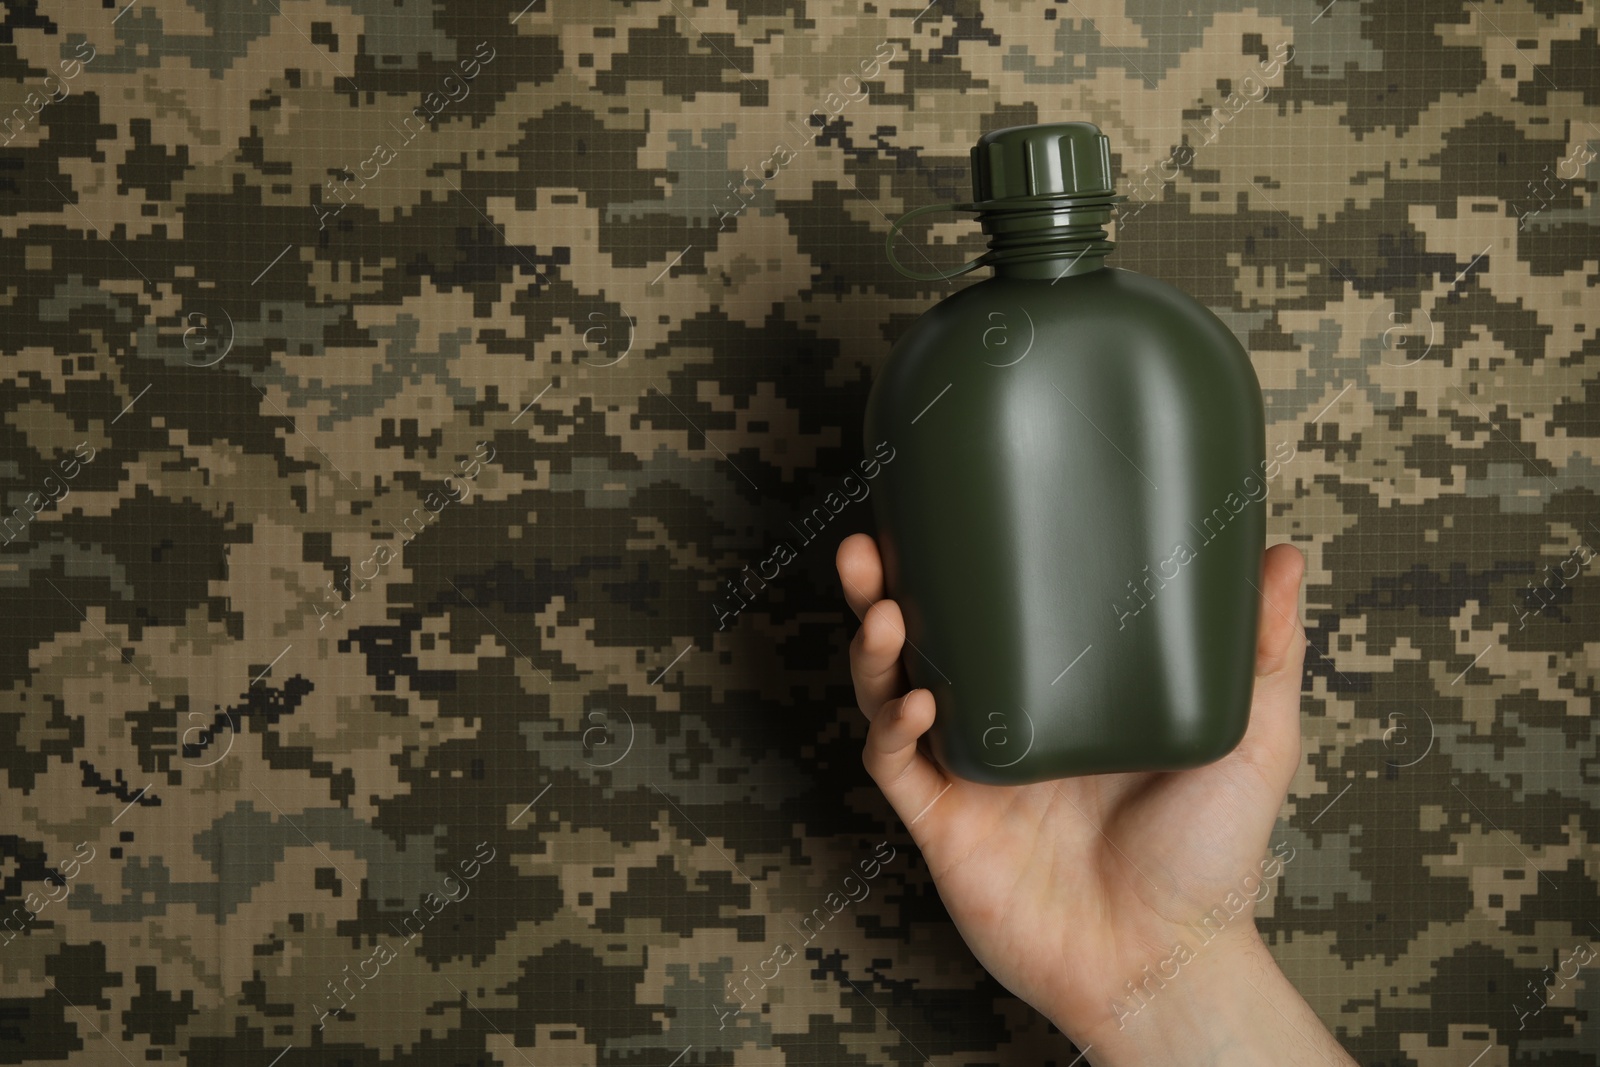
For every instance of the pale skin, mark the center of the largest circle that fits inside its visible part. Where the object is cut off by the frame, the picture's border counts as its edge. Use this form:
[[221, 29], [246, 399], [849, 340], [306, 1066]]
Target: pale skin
[[1065, 891]]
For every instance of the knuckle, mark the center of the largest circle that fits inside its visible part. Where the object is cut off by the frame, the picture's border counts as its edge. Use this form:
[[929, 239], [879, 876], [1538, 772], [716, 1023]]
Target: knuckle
[[881, 617]]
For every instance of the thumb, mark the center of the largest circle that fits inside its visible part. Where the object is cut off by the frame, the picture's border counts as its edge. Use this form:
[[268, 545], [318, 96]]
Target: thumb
[[1281, 638], [1272, 741]]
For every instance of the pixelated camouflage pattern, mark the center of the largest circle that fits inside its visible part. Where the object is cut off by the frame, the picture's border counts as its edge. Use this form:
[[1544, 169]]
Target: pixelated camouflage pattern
[[392, 392]]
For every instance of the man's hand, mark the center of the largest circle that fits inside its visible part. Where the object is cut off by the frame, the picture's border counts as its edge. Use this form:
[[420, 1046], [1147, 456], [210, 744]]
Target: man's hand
[[1065, 891]]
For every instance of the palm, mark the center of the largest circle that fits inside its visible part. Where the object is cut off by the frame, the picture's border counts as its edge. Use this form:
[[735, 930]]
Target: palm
[[1066, 889]]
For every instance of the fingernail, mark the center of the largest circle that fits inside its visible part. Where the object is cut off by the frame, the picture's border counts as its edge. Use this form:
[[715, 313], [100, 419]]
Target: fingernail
[[904, 704]]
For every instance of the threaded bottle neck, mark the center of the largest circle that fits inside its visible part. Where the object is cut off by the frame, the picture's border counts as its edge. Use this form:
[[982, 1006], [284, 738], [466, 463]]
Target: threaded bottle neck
[[1046, 237]]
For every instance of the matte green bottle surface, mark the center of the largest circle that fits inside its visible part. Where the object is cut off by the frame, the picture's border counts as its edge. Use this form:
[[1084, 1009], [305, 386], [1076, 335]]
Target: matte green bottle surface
[[1073, 524]]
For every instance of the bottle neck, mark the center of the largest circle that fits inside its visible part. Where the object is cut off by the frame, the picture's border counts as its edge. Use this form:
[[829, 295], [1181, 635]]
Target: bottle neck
[[1046, 239]]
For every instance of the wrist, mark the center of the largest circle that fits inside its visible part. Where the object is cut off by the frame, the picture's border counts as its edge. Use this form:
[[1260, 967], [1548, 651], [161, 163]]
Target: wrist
[[1222, 1001]]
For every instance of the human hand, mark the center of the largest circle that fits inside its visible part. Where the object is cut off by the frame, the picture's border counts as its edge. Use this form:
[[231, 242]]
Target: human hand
[[1067, 890]]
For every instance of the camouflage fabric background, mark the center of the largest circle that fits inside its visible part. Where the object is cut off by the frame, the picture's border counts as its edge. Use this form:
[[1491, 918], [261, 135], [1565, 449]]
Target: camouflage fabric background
[[393, 389]]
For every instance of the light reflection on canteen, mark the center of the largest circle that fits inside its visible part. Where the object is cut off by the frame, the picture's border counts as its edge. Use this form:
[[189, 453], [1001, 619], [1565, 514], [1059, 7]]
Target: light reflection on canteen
[[1255, 490]]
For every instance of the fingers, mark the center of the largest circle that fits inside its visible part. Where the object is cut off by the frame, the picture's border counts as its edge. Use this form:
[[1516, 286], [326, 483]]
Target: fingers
[[875, 651], [909, 780], [860, 572], [875, 657], [1280, 640], [1271, 744]]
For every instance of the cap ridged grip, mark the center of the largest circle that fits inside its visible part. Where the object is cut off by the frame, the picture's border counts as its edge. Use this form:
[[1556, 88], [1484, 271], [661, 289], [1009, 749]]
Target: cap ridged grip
[[1051, 159]]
